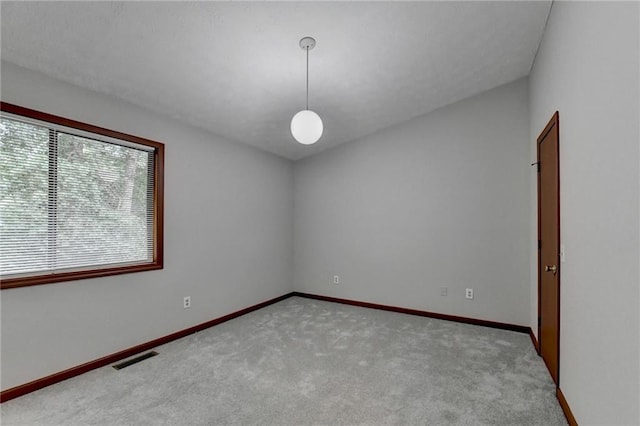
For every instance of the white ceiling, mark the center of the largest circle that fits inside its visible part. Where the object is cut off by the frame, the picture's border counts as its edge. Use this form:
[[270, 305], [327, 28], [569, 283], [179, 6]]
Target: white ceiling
[[235, 68]]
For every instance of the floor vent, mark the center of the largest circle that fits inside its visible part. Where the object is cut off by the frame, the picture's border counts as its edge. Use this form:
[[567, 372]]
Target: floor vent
[[135, 360]]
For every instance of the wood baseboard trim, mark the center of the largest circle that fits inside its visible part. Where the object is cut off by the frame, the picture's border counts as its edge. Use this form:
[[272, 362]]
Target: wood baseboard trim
[[565, 408], [126, 353], [26, 388], [474, 321], [536, 345]]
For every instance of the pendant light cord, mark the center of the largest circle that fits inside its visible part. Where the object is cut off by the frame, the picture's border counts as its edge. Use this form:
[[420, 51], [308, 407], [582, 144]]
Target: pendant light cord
[[307, 49]]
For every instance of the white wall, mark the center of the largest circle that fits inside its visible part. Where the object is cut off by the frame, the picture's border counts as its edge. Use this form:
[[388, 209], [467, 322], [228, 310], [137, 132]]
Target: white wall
[[441, 200], [587, 69], [228, 242]]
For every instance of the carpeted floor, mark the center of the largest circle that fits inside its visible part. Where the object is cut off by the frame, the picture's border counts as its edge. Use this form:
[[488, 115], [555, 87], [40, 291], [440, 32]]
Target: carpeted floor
[[304, 361]]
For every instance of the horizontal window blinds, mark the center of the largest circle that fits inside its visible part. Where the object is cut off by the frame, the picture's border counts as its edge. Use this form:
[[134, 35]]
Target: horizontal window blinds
[[71, 202]]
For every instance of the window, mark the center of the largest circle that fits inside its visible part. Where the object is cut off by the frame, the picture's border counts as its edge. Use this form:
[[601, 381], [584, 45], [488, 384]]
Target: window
[[76, 201]]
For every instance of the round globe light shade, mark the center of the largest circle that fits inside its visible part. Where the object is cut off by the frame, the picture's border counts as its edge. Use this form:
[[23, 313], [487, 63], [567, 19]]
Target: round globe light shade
[[306, 127]]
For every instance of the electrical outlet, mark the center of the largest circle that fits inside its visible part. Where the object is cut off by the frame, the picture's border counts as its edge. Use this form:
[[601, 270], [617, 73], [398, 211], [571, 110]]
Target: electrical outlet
[[186, 303], [469, 293], [336, 279], [443, 291]]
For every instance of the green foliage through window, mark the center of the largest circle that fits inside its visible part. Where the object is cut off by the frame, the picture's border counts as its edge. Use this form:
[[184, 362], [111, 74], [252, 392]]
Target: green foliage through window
[[70, 201]]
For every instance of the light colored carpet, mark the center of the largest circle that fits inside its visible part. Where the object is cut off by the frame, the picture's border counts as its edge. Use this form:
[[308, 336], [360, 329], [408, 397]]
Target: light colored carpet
[[303, 361]]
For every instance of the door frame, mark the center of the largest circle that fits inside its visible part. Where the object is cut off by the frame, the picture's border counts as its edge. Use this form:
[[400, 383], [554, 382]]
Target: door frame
[[554, 121]]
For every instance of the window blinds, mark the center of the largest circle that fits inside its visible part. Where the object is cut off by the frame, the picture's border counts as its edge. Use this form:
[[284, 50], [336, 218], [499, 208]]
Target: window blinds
[[70, 201]]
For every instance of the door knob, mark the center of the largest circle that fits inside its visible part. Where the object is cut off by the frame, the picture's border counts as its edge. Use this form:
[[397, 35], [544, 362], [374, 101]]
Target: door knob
[[552, 268]]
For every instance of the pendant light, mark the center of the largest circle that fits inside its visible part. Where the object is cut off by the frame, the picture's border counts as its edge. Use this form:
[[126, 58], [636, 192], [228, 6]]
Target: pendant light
[[306, 125]]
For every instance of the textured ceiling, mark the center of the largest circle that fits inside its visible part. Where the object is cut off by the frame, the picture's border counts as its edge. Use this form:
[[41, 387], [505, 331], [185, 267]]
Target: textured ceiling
[[235, 68]]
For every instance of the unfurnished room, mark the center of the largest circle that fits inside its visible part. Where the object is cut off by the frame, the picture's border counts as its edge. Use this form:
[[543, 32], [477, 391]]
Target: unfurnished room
[[319, 213]]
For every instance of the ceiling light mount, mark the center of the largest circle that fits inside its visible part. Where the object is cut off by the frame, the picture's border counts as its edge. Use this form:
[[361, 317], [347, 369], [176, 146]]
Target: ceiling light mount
[[307, 43], [306, 125]]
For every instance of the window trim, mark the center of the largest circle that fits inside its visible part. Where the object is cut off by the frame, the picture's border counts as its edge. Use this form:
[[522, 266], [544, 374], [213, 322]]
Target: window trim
[[158, 204]]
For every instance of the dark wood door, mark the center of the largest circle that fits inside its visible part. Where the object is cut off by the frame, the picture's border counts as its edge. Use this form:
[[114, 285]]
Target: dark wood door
[[549, 247]]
